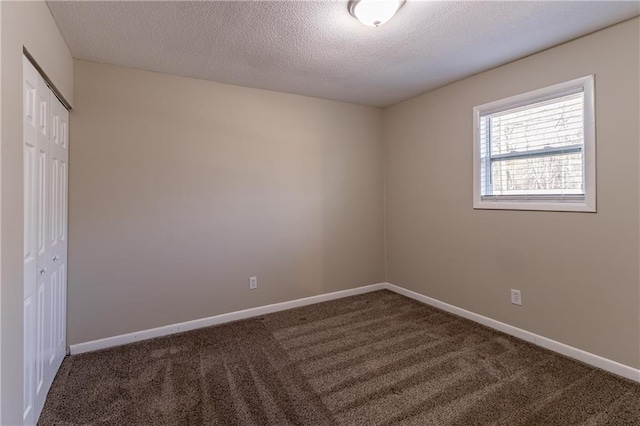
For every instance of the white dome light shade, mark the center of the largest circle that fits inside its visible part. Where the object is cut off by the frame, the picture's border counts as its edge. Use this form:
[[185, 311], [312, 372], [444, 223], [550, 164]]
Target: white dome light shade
[[374, 12]]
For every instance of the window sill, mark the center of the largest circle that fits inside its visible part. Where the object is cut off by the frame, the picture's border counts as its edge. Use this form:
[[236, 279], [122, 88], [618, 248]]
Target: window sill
[[535, 206]]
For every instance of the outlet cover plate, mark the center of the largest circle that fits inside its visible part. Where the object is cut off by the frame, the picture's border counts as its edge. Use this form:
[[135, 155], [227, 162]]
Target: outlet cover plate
[[516, 297]]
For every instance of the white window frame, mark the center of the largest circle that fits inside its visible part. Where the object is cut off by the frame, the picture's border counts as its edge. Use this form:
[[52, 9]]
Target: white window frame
[[545, 202]]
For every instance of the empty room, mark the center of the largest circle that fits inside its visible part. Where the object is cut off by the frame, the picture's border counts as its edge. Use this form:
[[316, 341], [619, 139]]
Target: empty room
[[331, 212]]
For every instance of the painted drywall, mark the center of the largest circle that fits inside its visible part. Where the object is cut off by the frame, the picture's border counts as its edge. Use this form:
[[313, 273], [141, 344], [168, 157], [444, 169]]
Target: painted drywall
[[29, 25], [181, 189], [578, 272]]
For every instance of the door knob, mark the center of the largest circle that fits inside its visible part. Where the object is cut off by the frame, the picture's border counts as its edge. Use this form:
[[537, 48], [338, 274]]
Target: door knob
[[43, 270]]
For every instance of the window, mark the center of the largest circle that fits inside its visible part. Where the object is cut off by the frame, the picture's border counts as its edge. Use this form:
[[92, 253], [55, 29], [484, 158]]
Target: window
[[536, 151]]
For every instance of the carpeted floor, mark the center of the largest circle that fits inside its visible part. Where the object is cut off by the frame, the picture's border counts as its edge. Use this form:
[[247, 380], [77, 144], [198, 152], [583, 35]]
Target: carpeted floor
[[374, 359]]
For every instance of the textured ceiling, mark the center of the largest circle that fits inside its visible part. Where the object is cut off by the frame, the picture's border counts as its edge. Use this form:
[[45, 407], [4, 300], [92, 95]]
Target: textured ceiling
[[316, 48]]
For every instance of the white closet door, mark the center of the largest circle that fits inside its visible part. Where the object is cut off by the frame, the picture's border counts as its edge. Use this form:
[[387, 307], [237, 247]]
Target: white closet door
[[31, 207], [59, 149], [46, 147], [43, 273]]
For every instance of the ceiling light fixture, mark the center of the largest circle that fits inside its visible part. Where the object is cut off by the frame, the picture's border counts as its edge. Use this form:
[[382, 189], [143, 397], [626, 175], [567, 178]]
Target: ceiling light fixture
[[374, 12]]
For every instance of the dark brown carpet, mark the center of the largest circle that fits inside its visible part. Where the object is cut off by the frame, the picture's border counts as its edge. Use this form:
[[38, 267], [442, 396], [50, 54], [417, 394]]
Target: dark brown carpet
[[374, 359]]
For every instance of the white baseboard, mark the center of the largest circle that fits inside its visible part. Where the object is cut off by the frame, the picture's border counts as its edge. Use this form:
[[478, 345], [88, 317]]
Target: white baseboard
[[123, 339], [569, 351], [566, 350]]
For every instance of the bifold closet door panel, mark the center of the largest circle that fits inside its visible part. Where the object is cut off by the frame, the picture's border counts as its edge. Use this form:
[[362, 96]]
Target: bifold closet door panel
[[43, 272], [31, 206], [59, 149]]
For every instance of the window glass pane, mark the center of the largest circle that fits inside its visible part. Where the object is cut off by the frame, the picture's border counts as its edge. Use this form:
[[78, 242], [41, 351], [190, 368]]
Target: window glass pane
[[541, 175], [551, 124]]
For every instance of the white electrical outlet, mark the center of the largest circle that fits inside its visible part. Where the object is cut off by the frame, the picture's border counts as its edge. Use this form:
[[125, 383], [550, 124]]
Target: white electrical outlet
[[516, 297], [253, 283]]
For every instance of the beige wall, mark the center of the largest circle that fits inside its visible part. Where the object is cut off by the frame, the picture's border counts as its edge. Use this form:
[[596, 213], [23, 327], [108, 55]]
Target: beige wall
[[181, 189], [27, 24], [578, 272]]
